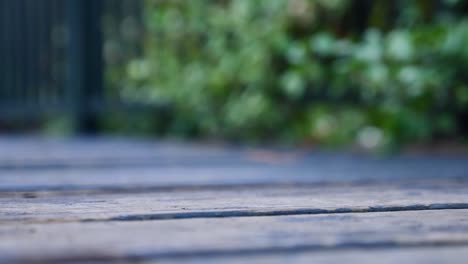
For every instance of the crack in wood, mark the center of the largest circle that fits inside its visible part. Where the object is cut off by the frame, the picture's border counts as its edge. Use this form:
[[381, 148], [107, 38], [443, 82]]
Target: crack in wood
[[296, 211]]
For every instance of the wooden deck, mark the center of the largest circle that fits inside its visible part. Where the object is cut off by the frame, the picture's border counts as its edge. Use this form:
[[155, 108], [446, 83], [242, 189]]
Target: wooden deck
[[117, 201]]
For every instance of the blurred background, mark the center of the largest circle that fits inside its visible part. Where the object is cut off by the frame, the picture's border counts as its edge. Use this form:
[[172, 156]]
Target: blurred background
[[375, 75]]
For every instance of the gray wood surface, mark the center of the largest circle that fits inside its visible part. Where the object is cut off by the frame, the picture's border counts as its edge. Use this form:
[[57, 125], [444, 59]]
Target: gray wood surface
[[318, 169], [171, 239], [52, 164], [108, 200], [426, 255], [234, 201]]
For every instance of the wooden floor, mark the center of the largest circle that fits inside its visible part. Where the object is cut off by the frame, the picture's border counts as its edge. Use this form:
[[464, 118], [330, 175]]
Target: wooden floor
[[101, 200]]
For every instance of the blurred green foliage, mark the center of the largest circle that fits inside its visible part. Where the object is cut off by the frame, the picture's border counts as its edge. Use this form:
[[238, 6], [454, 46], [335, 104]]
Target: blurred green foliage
[[376, 73]]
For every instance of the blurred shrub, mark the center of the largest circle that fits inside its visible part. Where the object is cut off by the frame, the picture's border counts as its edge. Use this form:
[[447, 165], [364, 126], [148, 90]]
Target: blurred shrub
[[378, 73]]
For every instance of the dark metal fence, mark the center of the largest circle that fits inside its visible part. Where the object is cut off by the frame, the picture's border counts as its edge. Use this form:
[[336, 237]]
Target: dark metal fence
[[32, 56], [51, 56]]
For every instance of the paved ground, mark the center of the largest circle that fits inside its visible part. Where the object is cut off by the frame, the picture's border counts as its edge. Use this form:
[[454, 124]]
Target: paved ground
[[104, 200]]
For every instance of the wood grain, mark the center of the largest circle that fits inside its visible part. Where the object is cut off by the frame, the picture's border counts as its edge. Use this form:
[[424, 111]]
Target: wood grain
[[186, 238], [240, 201], [104, 200]]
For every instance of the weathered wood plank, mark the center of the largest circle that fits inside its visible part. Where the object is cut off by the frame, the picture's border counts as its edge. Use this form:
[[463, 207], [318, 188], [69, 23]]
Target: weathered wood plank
[[42, 149], [45, 153], [174, 239], [233, 201], [44, 164], [332, 170], [41, 153], [48, 187], [454, 255]]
